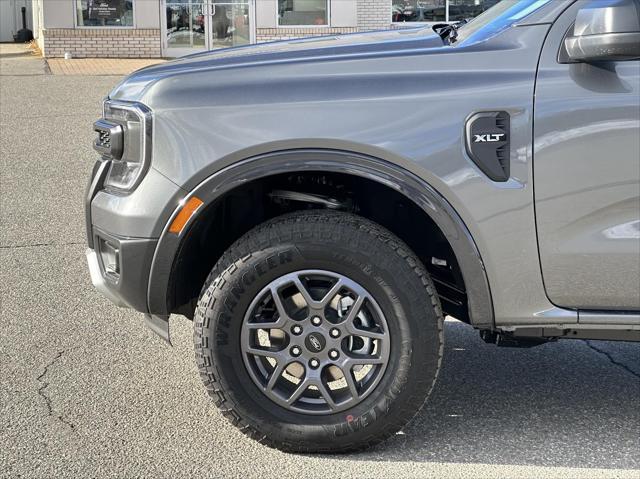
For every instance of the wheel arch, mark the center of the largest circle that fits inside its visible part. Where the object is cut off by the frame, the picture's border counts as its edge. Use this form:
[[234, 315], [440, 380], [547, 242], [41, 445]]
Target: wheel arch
[[390, 175]]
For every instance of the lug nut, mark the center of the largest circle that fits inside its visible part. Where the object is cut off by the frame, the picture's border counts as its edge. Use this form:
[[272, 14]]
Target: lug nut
[[316, 320], [297, 330], [314, 363], [296, 351], [334, 354], [335, 332]]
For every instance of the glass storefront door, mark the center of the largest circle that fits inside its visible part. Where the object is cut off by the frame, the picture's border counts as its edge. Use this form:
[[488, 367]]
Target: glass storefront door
[[190, 26]]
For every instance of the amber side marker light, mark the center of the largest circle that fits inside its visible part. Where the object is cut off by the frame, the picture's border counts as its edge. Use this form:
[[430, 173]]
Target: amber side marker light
[[187, 211]]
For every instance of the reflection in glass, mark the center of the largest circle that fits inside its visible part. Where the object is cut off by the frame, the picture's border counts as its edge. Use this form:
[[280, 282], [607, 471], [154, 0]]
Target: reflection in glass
[[104, 13], [418, 11], [436, 10], [199, 24], [302, 12], [185, 25], [230, 24], [467, 9]]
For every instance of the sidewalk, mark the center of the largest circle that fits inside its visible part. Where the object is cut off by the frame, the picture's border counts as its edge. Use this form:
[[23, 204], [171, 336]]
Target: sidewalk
[[99, 66], [18, 60]]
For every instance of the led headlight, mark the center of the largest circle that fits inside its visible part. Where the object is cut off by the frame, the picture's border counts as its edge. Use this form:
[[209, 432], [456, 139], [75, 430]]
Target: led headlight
[[124, 137]]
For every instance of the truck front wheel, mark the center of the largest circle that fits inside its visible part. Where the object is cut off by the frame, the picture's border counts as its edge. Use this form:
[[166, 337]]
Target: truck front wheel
[[318, 332]]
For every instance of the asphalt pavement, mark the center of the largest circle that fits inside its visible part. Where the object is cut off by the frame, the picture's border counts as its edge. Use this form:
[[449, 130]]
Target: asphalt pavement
[[87, 391]]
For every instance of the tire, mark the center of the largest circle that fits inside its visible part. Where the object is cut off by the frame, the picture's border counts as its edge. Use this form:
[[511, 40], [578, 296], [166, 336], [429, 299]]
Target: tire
[[400, 306]]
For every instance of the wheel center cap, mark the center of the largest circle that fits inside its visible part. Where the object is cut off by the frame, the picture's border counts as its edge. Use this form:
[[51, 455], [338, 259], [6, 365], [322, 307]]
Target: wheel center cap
[[315, 342]]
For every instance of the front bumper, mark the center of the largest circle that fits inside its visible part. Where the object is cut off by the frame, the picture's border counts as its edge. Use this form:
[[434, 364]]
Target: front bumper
[[126, 225], [127, 286], [98, 280]]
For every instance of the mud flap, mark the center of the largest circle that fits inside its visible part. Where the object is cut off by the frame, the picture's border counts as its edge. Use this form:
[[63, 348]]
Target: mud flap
[[159, 325]]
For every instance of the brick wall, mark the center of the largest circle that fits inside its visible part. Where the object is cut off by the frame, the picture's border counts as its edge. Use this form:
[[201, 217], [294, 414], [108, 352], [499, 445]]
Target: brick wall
[[272, 34], [374, 14], [101, 43]]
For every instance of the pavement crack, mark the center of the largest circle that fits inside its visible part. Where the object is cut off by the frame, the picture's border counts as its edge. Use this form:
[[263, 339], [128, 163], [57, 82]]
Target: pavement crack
[[43, 394], [611, 359]]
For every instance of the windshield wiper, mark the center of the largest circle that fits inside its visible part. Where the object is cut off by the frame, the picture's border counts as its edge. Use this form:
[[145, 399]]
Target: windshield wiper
[[448, 31]]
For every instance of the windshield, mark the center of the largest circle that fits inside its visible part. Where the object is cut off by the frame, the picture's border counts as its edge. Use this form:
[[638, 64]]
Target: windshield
[[498, 17]]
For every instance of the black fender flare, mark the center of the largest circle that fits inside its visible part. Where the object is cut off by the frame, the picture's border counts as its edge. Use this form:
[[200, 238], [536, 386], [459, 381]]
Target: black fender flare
[[290, 161]]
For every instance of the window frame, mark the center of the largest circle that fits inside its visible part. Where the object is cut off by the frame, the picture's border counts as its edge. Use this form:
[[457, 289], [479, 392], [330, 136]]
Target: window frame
[[74, 5], [328, 25]]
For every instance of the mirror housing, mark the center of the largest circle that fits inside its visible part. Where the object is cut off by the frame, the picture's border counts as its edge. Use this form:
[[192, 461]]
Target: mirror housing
[[607, 31]]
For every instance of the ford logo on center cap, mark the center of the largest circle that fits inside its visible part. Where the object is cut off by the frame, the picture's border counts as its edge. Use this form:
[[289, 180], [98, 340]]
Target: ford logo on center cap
[[315, 342]]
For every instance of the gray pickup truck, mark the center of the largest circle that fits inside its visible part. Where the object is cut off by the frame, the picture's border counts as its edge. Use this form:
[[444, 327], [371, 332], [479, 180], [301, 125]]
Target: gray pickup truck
[[317, 207]]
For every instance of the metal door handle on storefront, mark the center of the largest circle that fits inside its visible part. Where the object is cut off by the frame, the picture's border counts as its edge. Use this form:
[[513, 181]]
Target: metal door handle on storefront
[[213, 9]]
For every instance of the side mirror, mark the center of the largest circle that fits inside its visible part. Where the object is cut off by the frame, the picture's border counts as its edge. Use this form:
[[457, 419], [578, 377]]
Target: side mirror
[[607, 31]]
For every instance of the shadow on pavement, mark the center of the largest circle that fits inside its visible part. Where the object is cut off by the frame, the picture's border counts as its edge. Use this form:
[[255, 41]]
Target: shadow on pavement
[[15, 54], [559, 404]]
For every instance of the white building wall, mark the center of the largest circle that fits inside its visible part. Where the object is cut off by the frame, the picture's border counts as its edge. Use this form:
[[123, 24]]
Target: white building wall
[[11, 18], [57, 14], [266, 13], [7, 22], [147, 14], [344, 13]]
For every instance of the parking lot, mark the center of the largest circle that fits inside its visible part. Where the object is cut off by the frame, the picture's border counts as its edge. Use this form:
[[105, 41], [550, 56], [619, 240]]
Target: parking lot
[[87, 391]]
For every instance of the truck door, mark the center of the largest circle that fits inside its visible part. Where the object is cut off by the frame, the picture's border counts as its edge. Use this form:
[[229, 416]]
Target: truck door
[[587, 158]]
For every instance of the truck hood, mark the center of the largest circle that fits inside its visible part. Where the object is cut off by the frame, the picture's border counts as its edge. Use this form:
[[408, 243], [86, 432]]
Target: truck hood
[[310, 49]]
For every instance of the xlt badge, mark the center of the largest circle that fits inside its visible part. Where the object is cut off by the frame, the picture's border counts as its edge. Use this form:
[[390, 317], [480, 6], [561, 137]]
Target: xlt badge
[[487, 143], [488, 138]]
